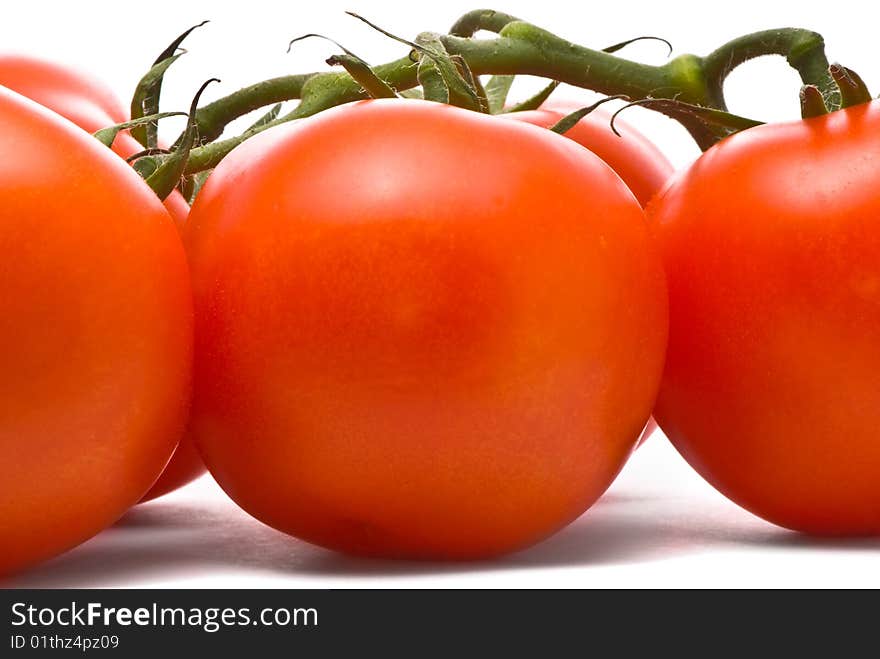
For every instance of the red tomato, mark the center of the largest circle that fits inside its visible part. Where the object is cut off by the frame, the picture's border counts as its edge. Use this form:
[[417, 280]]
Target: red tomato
[[412, 345], [640, 164], [92, 106], [95, 335], [772, 386], [85, 102]]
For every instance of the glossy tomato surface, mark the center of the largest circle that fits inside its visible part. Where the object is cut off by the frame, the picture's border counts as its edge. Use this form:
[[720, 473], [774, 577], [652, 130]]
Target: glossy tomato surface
[[418, 329], [95, 335], [772, 385], [636, 159], [92, 106]]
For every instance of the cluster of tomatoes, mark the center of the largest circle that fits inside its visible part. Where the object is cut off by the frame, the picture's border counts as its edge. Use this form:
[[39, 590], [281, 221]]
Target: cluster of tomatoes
[[403, 329]]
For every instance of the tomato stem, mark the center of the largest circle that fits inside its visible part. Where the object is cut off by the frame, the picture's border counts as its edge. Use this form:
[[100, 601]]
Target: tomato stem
[[481, 19], [803, 49], [523, 48], [213, 117]]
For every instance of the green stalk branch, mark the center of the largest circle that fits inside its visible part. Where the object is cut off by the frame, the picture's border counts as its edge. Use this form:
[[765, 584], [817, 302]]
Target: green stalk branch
[[481, 19], [804, 50], [522, 48], [213, 117]]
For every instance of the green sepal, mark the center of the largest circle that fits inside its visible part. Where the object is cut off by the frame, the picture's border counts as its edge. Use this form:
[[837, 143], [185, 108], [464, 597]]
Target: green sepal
[[461, 92], [812, 102], [706, 126], [191, 185], [472, 81], [853, 90], [168, 174], [145, 100], [570, 120], [364, 75], [624, 44], [107, 136], [434, 87], [144, 163], [429, 45], [356, 67], [497, 90]]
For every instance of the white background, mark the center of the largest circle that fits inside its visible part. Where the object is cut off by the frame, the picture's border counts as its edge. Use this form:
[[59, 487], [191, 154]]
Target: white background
[[659, 525]]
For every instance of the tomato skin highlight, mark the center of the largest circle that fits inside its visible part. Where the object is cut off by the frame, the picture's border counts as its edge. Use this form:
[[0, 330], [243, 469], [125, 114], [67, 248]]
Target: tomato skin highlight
[[412, 345], [771, 243], [92, 106], [95, 336], [634, 158]]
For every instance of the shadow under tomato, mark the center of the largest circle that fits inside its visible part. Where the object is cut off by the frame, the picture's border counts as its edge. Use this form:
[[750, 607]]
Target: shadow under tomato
[[620, 529], [167, 540], [783, 539], [200, 535]]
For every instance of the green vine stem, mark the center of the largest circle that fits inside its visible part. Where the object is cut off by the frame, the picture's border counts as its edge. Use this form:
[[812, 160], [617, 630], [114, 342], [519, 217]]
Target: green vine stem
[[214, 116], [522, 48], [804, 50]]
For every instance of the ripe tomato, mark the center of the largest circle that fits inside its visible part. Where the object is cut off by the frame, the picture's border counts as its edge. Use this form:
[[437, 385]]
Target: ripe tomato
[[85, 102], [95, 335], [636, 159], [772, 386], [419, 328], [92, 106]]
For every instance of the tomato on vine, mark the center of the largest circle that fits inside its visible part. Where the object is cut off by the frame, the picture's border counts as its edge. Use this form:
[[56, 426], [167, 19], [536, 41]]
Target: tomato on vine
[[95, 335], [771, 243], [92, 106], [411, 345]]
